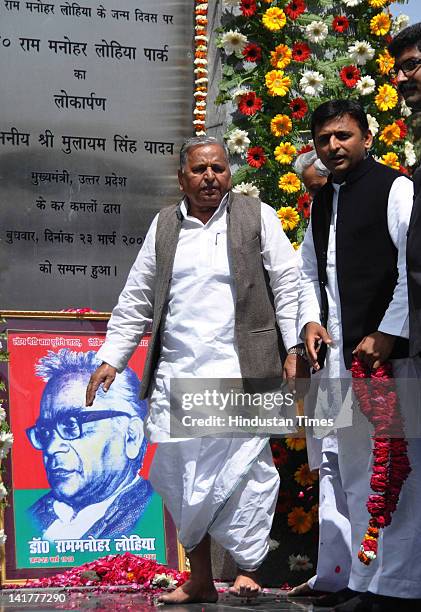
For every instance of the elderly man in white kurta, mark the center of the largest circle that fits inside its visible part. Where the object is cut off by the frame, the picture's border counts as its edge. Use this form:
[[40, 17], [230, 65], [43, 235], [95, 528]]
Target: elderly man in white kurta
[[353, 301], [225, 488]]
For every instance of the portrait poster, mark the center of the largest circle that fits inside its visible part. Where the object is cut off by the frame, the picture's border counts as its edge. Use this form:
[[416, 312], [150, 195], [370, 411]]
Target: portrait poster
[[75, 500]]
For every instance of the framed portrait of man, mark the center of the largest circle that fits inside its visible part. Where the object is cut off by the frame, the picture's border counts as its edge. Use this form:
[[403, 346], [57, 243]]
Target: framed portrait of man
[[78, 476]]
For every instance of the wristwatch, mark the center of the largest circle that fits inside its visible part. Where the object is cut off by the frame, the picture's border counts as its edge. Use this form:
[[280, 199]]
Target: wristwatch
[[298, 349]]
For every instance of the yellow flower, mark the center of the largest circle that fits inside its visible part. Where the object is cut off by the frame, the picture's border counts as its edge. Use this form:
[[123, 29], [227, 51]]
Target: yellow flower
[[297, 444], [304, 476], [289, 217], [386, 98], [295, 245], [281, 125], [277, 83], [299, 520], [390, 133], [289, 182], [284, 152], [385, 62], [274, 19], [380, 24], [281, 57], [377, 3], [390, 159]]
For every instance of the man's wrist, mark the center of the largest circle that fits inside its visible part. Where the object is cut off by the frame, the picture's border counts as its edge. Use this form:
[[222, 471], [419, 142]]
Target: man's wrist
[[299, 350]]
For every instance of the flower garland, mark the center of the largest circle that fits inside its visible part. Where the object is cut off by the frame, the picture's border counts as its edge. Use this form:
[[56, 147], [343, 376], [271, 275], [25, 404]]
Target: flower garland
[[280, 60], [200, 67], [379, 403], [6, 439], [138, 573]]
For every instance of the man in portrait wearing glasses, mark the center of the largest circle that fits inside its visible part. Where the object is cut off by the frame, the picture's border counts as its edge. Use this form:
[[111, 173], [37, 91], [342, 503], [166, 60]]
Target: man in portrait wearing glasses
[[91, 457], [406, 49]]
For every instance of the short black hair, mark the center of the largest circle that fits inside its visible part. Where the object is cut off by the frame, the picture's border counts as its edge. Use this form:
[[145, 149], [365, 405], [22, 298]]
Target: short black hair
[[338, 108], [409, 37]]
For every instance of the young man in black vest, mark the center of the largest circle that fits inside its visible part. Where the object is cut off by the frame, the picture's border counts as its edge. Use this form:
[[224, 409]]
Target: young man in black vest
[[353, 301], [406, 49]]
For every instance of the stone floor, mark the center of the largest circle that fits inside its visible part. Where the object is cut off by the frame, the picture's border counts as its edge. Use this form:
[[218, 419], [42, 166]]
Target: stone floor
[[88, 599]]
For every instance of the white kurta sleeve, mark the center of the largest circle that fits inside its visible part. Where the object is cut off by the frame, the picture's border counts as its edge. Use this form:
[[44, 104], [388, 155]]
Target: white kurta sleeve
[[395, 320], [281, 263], [309, 293], [134, 309]]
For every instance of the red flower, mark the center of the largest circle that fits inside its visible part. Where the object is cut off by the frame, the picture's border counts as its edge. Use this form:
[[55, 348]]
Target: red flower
[[248, 7], [295, 8], [252, 53], [300, 52], [305, 149], [402, 127], [403, 170], [299, 108], [304, 204], [279, 453], [350, 75], [256, 157], [340, 23], [249, 103]]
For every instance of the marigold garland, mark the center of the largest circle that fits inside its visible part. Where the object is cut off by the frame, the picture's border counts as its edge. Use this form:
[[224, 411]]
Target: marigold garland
[[379, 402], [200, 64]]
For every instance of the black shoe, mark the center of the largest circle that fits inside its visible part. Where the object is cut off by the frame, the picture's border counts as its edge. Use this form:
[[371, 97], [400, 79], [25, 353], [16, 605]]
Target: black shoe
[[334, 599], [370, 602]]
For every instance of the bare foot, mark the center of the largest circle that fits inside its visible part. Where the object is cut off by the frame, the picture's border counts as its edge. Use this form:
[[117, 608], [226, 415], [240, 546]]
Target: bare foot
[[191, 592], [246, 585]]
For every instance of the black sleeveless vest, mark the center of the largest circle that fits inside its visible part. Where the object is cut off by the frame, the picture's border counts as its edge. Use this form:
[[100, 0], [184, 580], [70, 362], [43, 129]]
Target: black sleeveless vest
[[366, 258]]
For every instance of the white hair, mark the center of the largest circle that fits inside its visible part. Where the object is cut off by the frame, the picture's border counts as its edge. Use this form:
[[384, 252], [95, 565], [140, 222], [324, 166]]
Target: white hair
[[305, 160]]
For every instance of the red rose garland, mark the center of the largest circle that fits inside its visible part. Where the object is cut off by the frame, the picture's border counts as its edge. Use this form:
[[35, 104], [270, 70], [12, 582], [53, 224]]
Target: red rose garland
[[379, 403]]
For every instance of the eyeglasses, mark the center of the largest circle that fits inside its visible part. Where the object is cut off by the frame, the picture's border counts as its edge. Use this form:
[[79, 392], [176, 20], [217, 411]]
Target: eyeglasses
[[408, 66], [68, 426]]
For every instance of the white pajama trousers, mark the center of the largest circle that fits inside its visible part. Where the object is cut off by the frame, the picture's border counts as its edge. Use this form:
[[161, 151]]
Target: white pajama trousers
[[226, 487]]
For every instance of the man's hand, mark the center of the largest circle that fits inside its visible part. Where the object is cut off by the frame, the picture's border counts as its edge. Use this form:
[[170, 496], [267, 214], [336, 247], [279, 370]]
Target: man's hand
[[104, 375], [295, 367], [315, 335], [375, 349]]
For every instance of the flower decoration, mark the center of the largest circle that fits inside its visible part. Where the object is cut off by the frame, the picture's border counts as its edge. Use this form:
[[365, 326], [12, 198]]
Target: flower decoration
[[249, 103], [200, 70], [390, 159], [299, 563], [304, 476], [274, 19], [350, 75], [340, 24], [284, 153], [247, 189], [295, 8], [293, 55], [256, 157], [299, 520]]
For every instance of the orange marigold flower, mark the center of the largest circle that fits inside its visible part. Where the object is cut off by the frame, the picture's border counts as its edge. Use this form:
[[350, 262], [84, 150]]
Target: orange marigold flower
[[299, 520], [304, 476], [297, 444]]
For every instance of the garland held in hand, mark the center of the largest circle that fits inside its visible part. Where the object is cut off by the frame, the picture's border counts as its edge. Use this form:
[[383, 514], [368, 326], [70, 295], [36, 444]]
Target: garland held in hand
[[200, 67], [379, 403]]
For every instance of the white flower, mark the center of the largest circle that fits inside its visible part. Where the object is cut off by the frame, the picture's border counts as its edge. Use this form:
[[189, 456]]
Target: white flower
[[231, 3], [316, 31], [299, 562], [273, 544], [233, 42], [251, 190], [3, 537], [240, 92], [405, 110], [6, 440], [201, 37], [2, 414], [361, 51], [411, 158], [366, 85], [312, 82], [3, 491], [238, 141], [399, 23], [164, 580], [373, 124], [351, 3], [202, 7]]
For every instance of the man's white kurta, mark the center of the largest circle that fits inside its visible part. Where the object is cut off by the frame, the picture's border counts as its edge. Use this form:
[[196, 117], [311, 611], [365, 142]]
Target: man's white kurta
[[209, 485]]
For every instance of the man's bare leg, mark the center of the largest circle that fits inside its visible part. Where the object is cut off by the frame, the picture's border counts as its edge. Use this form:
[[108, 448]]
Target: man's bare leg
[[200, 587], [246, 584]]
